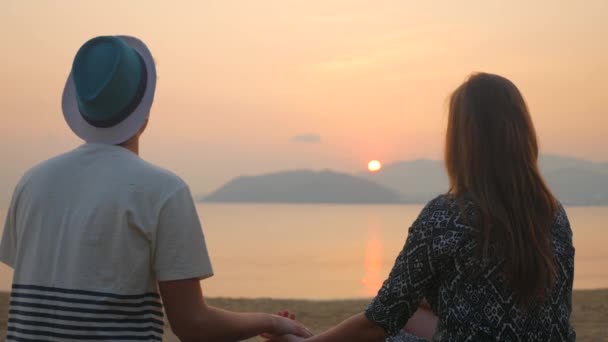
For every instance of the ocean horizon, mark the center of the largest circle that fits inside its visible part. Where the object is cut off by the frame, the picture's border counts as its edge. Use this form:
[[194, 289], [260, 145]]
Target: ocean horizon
[[335, 251]]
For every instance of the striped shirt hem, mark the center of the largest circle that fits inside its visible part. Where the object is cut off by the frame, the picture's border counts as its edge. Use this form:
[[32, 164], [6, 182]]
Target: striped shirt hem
[[40, 313]]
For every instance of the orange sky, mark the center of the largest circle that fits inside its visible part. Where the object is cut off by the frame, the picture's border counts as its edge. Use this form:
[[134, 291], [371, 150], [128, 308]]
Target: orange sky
[[239, 79]]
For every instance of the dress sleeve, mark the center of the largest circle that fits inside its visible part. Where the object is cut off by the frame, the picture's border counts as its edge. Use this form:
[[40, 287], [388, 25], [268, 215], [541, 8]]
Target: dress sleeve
[[181, 251], [412, 273]]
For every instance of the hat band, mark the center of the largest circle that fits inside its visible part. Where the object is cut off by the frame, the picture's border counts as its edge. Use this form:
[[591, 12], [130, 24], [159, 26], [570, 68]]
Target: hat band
[[129, 108]]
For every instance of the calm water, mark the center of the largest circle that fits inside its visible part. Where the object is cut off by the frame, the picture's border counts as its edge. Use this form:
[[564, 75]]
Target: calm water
[[336, 251]]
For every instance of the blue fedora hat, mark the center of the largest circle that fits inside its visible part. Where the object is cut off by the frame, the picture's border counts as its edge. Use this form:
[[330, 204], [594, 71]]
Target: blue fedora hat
[[110, 89]]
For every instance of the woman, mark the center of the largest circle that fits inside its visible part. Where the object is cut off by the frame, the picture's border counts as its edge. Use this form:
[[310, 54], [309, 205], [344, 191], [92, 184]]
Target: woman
[[494, 256]]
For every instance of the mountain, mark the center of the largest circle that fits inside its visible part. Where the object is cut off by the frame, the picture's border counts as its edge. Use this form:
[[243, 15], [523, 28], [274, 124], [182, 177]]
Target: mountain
[[417, 181], [578, 186], [551, 163], [574, 181], [303, 186]]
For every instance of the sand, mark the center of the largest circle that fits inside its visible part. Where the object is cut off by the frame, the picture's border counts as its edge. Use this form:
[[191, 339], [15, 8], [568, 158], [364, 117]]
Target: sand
[[589, 316]]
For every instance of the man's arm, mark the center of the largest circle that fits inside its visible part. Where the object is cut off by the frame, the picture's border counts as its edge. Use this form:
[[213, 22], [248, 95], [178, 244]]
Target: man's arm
[[8, 245], [192, 319]]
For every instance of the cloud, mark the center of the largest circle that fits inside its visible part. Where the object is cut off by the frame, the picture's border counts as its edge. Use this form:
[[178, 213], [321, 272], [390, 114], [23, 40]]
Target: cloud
[[306, 138]]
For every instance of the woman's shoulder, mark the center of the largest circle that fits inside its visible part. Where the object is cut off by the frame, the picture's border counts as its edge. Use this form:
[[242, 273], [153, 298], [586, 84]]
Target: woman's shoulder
[[442, 201], [446, 221], [448, 202], [447, 210], [561, 217], [562, 231]]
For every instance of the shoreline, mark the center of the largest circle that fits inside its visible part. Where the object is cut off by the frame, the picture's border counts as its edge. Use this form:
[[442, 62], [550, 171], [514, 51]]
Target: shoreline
[[398, 203], [589, 312]]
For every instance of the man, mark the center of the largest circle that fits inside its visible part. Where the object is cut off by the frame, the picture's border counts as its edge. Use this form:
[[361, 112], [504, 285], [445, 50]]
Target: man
[[95, 233]]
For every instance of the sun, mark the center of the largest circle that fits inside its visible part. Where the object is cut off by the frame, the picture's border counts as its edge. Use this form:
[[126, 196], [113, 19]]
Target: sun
[[374, 166]]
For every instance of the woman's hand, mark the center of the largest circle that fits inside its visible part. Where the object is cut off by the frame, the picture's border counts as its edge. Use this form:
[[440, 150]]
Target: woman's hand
[[423, 323]]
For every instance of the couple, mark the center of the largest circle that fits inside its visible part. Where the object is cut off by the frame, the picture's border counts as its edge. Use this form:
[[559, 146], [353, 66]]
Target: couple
[[97, 236]]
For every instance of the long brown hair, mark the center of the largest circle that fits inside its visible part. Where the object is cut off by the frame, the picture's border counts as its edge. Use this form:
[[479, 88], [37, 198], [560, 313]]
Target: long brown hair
[[491, 157]]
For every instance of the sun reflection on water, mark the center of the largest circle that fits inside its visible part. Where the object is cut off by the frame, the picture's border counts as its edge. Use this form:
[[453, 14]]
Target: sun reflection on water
[[372, 280]]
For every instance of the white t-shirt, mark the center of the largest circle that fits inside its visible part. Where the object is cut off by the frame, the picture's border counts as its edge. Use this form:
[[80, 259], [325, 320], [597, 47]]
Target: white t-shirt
[[89, 234]]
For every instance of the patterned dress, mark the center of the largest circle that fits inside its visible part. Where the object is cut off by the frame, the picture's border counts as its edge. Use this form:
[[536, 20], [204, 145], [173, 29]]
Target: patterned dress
[[438, 257]]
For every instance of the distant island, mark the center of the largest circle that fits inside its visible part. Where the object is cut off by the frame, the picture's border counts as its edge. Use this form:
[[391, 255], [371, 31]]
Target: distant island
[[574, 182], [303, 186]]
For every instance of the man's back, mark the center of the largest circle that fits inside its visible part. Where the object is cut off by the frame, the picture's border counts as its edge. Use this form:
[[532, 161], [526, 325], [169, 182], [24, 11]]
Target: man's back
[[89, 234], [92, 233]]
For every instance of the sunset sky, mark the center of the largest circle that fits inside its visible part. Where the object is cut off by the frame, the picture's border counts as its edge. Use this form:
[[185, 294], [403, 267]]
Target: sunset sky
[[254, 86]]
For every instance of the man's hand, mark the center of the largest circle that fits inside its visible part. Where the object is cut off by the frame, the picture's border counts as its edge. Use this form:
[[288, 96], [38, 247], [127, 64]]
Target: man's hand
[[286, 338], [284, 322], [193, 320], [285, 325]]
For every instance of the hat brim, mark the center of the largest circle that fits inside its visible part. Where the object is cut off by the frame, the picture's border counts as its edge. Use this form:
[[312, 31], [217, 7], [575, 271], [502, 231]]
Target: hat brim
[[128, 127]]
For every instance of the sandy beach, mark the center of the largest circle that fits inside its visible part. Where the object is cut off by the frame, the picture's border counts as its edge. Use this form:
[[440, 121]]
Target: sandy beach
[[590, 312]]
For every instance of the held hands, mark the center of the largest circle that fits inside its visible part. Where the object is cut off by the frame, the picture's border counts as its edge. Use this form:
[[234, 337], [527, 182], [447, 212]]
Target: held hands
[[287, 329], [286, 338]]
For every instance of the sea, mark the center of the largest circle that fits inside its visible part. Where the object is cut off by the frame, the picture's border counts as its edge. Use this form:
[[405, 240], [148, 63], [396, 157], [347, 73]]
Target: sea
[[336, 251]]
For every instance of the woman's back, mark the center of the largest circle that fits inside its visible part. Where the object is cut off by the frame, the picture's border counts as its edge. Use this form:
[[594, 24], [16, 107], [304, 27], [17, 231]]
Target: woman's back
[[470, 295], [494, 256]]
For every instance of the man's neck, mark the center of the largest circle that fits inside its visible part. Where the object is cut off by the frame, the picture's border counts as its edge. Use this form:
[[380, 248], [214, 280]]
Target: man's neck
[[132, 145]]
